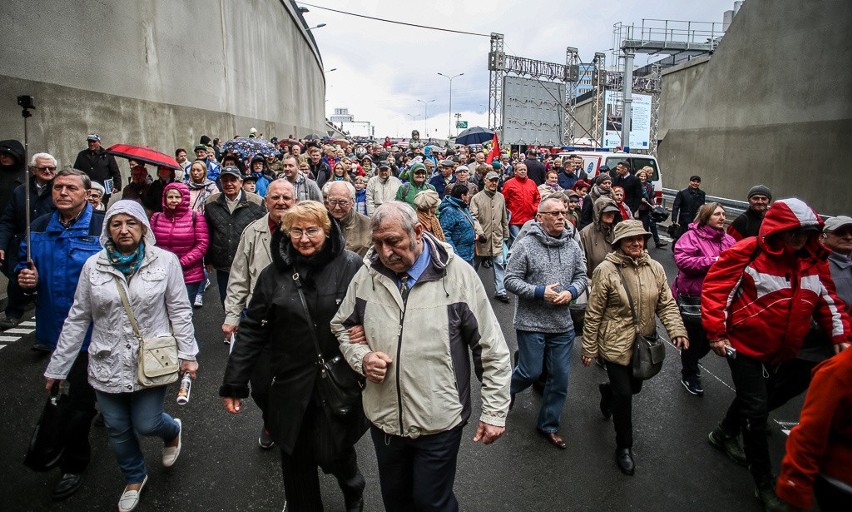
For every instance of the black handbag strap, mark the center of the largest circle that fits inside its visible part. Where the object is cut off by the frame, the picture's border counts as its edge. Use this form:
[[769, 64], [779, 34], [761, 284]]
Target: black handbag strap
[[297, 281], [629, 297]]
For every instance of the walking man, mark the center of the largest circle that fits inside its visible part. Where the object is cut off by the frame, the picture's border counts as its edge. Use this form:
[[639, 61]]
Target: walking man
[[488, 207], [60, 244], [99, 165], [748, 223], [542, 320], [685, 207], [418, 363]]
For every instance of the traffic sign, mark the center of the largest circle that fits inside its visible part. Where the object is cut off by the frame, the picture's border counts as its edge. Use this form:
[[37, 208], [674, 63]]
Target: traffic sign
[[461, 124]]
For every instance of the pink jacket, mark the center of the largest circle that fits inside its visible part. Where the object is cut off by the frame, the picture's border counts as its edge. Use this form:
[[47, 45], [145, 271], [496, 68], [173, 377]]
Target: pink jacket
[[183, 232], [694, 253]]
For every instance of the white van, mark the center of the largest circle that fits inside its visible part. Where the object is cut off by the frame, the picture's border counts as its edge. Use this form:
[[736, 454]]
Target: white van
[[593, 160]]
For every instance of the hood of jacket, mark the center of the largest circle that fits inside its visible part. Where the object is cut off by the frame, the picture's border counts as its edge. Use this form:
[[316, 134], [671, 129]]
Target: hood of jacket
[[183, 206], [619, 259], [536, 231], [440, 254], [708, 232], [597, 192], [16, 150], [790, 214], [454, 202], [135, 210], [597, 208]]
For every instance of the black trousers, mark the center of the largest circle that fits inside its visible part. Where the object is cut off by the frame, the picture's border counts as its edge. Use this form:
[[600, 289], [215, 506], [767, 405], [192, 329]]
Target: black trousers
[[261, 378], [301, 480], [699, 347], [82, 411], [621, 388], [417, 475]]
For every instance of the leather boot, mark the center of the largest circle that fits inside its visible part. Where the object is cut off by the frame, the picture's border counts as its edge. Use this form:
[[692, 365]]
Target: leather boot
[[624, 460]]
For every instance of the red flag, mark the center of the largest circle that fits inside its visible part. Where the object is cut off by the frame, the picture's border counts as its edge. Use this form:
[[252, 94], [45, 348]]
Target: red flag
[[495, 150]]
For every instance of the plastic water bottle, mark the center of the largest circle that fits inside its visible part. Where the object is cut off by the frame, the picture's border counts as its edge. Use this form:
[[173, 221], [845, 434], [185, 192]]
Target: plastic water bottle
[[185, 389]]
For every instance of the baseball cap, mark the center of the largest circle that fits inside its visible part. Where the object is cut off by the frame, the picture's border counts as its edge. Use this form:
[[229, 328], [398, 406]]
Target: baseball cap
[[93, 136], [836, 223], [492, 176], [695, 178], [384, 165], [233, 171]]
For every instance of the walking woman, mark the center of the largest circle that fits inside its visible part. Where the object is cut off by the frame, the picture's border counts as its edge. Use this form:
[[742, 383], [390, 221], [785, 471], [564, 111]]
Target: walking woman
[[152, 280], [648, 200], [694, 253], [627, 275], [180, 230], [307, 258]]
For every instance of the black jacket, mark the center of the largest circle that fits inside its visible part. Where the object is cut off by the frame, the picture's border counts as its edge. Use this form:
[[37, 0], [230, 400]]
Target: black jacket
[[226, 227], [535, 170], [321, 172], [13, 222], [632, 190], [276, 321], [686, 205], [11, 175], [100, 166], [152, 200]]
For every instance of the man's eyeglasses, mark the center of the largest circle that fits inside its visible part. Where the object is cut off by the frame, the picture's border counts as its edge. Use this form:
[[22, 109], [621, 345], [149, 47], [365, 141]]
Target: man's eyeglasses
[[50, 168], [343, 203], [556, 214], [311, 232]]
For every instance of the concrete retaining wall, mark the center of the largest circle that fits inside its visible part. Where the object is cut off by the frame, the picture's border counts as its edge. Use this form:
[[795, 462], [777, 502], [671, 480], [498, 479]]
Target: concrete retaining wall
[[156, 72]]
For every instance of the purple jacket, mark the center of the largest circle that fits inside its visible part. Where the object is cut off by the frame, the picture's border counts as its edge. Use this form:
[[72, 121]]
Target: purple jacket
[[183, 232], [694, 253]]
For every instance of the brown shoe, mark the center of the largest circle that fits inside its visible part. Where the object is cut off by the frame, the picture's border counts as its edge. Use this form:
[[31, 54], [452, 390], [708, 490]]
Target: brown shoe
[[554, 438]]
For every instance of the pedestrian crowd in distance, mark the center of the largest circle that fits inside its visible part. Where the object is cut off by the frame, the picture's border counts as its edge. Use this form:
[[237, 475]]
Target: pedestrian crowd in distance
[[320, 246]]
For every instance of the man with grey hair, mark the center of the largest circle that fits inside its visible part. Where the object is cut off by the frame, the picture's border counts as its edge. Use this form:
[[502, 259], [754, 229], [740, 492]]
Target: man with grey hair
[[340, 202], [254, 254], [417, 362], [13, 225], [542, 320], [60, 243]]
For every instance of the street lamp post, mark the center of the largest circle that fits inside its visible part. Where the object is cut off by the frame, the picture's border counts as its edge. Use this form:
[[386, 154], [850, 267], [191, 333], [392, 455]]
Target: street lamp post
[[450, 109], [425, 116]]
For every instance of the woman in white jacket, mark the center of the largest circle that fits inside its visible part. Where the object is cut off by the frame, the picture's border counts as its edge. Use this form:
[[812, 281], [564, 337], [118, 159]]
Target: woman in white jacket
[[153, 281]]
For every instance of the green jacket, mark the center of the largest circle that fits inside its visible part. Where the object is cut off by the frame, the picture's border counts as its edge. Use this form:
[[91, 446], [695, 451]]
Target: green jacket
[[408, 190]]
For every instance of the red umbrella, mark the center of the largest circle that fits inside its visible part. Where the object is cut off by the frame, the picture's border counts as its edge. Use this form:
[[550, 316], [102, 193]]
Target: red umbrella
[[144, 154]]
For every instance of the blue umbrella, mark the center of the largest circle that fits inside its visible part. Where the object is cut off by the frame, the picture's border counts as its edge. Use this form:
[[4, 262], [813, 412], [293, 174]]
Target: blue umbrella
[[475, 135], [247, 147]]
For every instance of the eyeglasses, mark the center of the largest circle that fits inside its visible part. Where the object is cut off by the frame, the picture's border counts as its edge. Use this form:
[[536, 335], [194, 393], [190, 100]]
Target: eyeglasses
[[278, 197], [343, 203], [556, 214], [311, 232], [49, 168]]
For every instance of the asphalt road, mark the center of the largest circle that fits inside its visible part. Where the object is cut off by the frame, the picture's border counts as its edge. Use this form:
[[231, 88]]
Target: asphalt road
[[222, 468]]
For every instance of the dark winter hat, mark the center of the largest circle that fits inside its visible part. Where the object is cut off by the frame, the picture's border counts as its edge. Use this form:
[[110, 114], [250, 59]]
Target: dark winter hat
[[695, 178], [257, 158], [496, 164], [759, 190]]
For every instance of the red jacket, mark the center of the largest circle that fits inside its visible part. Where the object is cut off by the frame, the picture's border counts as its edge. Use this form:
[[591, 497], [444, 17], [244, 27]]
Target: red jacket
[[822, 441], [764, 307], [522, 198], [182, 232]]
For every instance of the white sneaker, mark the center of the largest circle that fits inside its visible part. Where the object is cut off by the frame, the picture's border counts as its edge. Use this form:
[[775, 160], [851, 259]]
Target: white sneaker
[[199, 302], [129, 499], [171, 453]]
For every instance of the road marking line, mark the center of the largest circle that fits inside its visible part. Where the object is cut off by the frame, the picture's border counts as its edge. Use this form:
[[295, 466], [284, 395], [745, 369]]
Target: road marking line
[[2, 346], [8, 339], [18, 331], [668, 341], [27, 323]]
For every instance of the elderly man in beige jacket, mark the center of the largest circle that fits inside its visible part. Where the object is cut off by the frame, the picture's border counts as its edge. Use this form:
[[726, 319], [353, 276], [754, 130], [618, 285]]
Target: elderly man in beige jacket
[[252, 256], [381, 188]]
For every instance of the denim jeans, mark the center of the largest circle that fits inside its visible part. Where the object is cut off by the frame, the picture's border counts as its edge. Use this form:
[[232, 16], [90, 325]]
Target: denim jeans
[[128, 415], [499, 271], [650, 226], [514, 229], [192, 290], [202, 286], [536, 349]]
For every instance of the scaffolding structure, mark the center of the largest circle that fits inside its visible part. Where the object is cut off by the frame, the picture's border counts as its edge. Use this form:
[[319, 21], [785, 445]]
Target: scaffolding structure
[[501, 65], [682, 40]]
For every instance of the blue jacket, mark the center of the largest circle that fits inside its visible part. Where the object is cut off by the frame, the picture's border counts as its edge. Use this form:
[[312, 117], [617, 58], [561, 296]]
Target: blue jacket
[[440, 185], [457, 223], [59, 255], [567, 181]]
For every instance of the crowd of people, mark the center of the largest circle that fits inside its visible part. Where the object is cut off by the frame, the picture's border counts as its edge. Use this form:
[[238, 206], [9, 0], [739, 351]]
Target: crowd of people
[[358, 251]]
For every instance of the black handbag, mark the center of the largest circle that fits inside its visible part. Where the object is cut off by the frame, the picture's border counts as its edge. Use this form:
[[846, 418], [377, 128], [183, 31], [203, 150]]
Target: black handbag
[[648, 351], [690, 308], [48, 440], [339, 386]]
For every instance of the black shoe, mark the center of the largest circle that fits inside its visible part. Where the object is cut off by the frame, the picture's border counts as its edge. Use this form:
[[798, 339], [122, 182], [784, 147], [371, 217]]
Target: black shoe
[[693, 385], [502, 298], [729, 445], [10, 322], [606, 400], [764, 491], [661, 243], [40, 347], [67, 485], [624, 460]]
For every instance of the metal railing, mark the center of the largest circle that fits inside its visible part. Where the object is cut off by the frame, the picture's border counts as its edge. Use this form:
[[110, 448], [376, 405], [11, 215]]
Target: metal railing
[[733, 208]]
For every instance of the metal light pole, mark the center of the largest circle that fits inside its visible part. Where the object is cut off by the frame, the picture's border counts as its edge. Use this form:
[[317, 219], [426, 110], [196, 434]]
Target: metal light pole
[[450, 109], [425, 116]]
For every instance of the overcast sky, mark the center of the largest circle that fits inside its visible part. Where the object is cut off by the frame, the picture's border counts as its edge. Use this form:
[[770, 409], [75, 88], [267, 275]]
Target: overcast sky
[[382, 69]]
